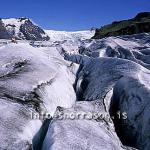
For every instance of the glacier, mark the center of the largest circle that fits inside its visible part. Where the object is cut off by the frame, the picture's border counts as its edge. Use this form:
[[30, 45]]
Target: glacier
[[72, 73]]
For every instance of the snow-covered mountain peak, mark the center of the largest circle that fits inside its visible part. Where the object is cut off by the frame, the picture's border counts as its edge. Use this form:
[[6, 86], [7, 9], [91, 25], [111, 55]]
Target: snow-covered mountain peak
[[21, 28], [13, 26], [14, 21]]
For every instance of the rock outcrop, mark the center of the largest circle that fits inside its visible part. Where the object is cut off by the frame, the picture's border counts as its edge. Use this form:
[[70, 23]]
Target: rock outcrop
[[3, 32], [139, 24], [22, 28]]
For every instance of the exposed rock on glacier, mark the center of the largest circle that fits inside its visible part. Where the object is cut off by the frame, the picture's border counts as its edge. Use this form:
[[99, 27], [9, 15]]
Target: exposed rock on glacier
[[31, 80], [3, 32]]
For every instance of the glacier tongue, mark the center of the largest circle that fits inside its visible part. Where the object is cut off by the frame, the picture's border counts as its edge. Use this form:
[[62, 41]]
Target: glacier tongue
[[63, 35], [102, 76]]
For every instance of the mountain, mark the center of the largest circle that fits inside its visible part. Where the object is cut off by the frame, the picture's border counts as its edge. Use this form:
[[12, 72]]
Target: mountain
[[139, 24], [22, 28], [25, 29]]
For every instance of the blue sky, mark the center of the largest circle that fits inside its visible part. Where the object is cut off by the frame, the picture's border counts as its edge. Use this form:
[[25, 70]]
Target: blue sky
[[72, 15]]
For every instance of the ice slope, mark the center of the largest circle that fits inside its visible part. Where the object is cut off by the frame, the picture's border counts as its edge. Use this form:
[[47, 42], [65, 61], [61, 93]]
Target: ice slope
[[134, 48], [69, 41], [81, 134], [64, 35], [31, 80]]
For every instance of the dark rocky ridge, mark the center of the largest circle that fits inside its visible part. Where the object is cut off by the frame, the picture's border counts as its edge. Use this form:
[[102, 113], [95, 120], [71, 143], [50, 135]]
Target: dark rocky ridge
[[139, 24], [33, 32], [3, 32], [27, 30]]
